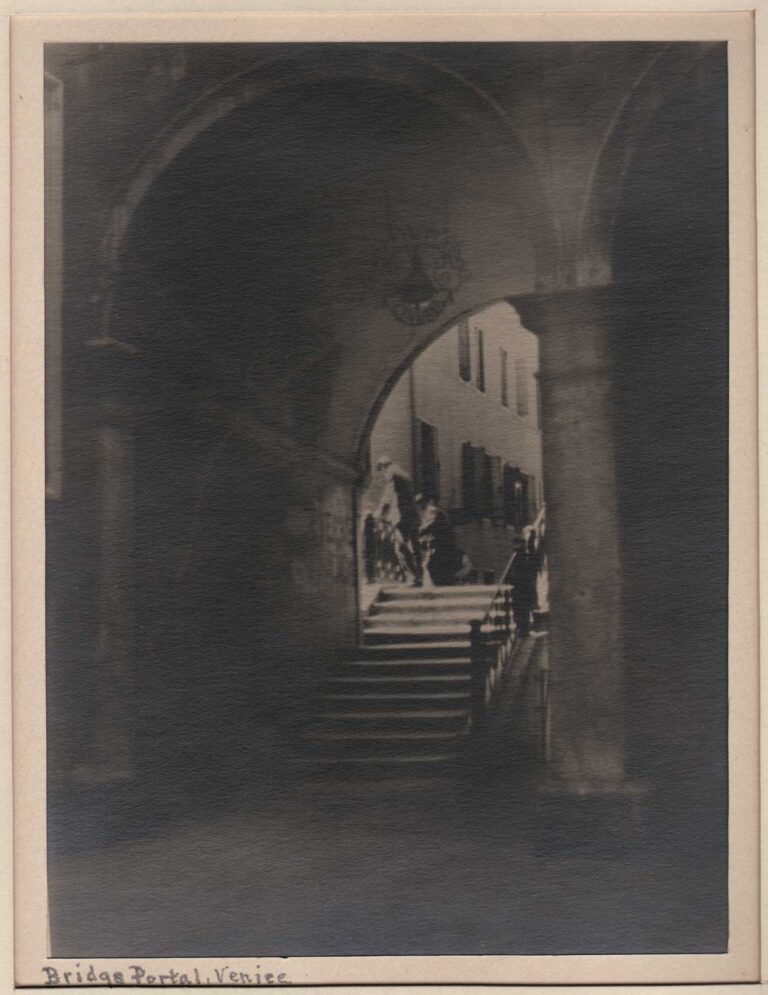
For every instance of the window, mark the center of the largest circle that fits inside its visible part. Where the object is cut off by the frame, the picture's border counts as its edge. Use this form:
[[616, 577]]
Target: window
[[486, 487], [465, 358], [516, 511], [538, 400], [497, 489], [504, 365], [477, 481], [480, 361], [468, 480], [521, 389], [532, 494], [428, 474]]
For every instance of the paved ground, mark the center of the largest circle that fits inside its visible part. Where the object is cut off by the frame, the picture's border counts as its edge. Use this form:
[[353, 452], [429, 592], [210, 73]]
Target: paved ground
[[394, 868]]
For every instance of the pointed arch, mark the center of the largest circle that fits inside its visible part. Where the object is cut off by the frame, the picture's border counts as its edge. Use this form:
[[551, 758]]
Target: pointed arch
[[415, 75], [666, 70]]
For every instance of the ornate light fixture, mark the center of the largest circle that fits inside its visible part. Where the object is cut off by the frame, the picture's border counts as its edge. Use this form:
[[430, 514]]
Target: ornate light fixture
[[419, 269]]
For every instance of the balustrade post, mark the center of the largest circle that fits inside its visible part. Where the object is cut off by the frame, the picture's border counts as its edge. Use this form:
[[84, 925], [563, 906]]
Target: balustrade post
[[545, 690], [370, 548], [478, 669], [508, 612]]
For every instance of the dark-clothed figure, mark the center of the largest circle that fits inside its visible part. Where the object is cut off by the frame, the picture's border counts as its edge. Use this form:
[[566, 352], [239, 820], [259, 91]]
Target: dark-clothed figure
[[522, 577], [398, 508], [442, 557], [369, 548]]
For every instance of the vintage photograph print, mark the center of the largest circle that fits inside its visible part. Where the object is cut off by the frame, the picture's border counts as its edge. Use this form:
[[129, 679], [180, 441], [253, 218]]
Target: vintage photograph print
[[387, 493]]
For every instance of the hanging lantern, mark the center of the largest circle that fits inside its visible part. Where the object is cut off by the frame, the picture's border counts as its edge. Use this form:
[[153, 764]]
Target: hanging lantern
[[419, 270]]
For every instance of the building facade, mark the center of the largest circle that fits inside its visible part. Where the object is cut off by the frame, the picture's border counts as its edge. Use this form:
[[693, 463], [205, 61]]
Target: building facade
[[464, 422]]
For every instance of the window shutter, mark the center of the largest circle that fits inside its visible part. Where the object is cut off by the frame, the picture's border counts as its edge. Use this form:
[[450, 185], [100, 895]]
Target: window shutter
[[468, 479], [480, 360], [465, 357], [521, 388]]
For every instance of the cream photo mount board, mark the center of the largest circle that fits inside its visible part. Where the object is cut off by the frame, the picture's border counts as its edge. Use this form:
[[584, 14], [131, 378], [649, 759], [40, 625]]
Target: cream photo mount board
[[41, 463]]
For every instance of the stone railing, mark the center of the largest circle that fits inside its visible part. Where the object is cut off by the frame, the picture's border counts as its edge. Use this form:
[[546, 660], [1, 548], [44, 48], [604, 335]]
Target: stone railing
[[493, 638], [381, 562]]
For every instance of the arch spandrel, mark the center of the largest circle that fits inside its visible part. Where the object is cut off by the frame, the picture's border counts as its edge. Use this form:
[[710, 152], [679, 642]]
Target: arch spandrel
[[422, 79], [349, 341], [352, 343], [664, 72]]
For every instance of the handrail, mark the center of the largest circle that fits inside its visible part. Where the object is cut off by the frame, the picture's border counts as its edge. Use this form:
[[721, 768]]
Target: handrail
[[535, 526], [492, 651], [380, 556]]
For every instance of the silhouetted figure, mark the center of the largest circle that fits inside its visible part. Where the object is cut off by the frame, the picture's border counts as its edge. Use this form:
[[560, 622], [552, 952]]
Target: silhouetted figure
[[522, 577], [369, 548], [442, 557], [398, 508]]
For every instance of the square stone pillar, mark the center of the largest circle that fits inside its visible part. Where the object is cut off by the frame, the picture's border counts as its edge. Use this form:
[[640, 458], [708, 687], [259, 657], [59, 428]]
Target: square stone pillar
[[587, 718], [110, 751]]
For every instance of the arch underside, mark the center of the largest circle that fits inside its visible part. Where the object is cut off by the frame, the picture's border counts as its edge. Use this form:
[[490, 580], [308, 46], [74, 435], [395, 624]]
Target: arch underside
[[294, 320]]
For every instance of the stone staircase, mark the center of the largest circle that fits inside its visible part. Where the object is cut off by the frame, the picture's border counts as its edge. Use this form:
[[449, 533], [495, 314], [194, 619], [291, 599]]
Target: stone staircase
[[403, 702]]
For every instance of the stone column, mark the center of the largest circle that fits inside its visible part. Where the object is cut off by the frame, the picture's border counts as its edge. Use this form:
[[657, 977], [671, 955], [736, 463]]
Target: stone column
[[587, 749], [111, 749]]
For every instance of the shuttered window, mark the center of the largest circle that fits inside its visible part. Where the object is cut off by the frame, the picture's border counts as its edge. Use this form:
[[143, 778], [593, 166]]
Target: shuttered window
[[516, 509], [428, 476], [479, 473], [468, 480], [504, 366], [465, 357], [521, 389], [480, 380]]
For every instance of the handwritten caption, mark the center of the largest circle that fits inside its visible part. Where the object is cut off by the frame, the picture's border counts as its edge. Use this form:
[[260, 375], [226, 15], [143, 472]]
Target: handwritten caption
[[138, 974]]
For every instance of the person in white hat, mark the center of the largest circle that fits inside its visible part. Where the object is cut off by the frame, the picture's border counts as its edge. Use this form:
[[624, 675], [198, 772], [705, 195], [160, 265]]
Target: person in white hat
[[398, 508]]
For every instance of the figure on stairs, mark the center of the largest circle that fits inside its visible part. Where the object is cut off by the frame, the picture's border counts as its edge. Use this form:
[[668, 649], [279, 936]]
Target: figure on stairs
[[442, 558], [523, 576], [398, 508]]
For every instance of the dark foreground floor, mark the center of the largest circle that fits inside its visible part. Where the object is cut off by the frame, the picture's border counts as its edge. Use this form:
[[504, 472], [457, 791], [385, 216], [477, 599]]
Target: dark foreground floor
[[324, 868]]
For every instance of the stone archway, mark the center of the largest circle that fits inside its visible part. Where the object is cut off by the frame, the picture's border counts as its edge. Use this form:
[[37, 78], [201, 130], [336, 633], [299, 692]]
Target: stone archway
[[348, 347], [423, 80], [140, 371]]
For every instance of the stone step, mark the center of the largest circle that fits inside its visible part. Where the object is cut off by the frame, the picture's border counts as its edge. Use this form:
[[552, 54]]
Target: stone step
[[362, 723], [403, 715], [391, 650], [389, 736], [447, 604], [400, 667], [378, 633], [394, 764], [434, 618], [357, 700], [397, 683], [387, 743], [425, 593], [422, 659]]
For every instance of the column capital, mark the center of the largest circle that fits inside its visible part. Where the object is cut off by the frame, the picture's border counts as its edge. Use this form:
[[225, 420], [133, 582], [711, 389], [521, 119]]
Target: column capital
[[567, 310], [576, 332]]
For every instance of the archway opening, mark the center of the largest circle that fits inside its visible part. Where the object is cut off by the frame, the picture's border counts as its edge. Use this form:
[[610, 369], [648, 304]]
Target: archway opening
[[452, 569], [462, 427], [248, 294]]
